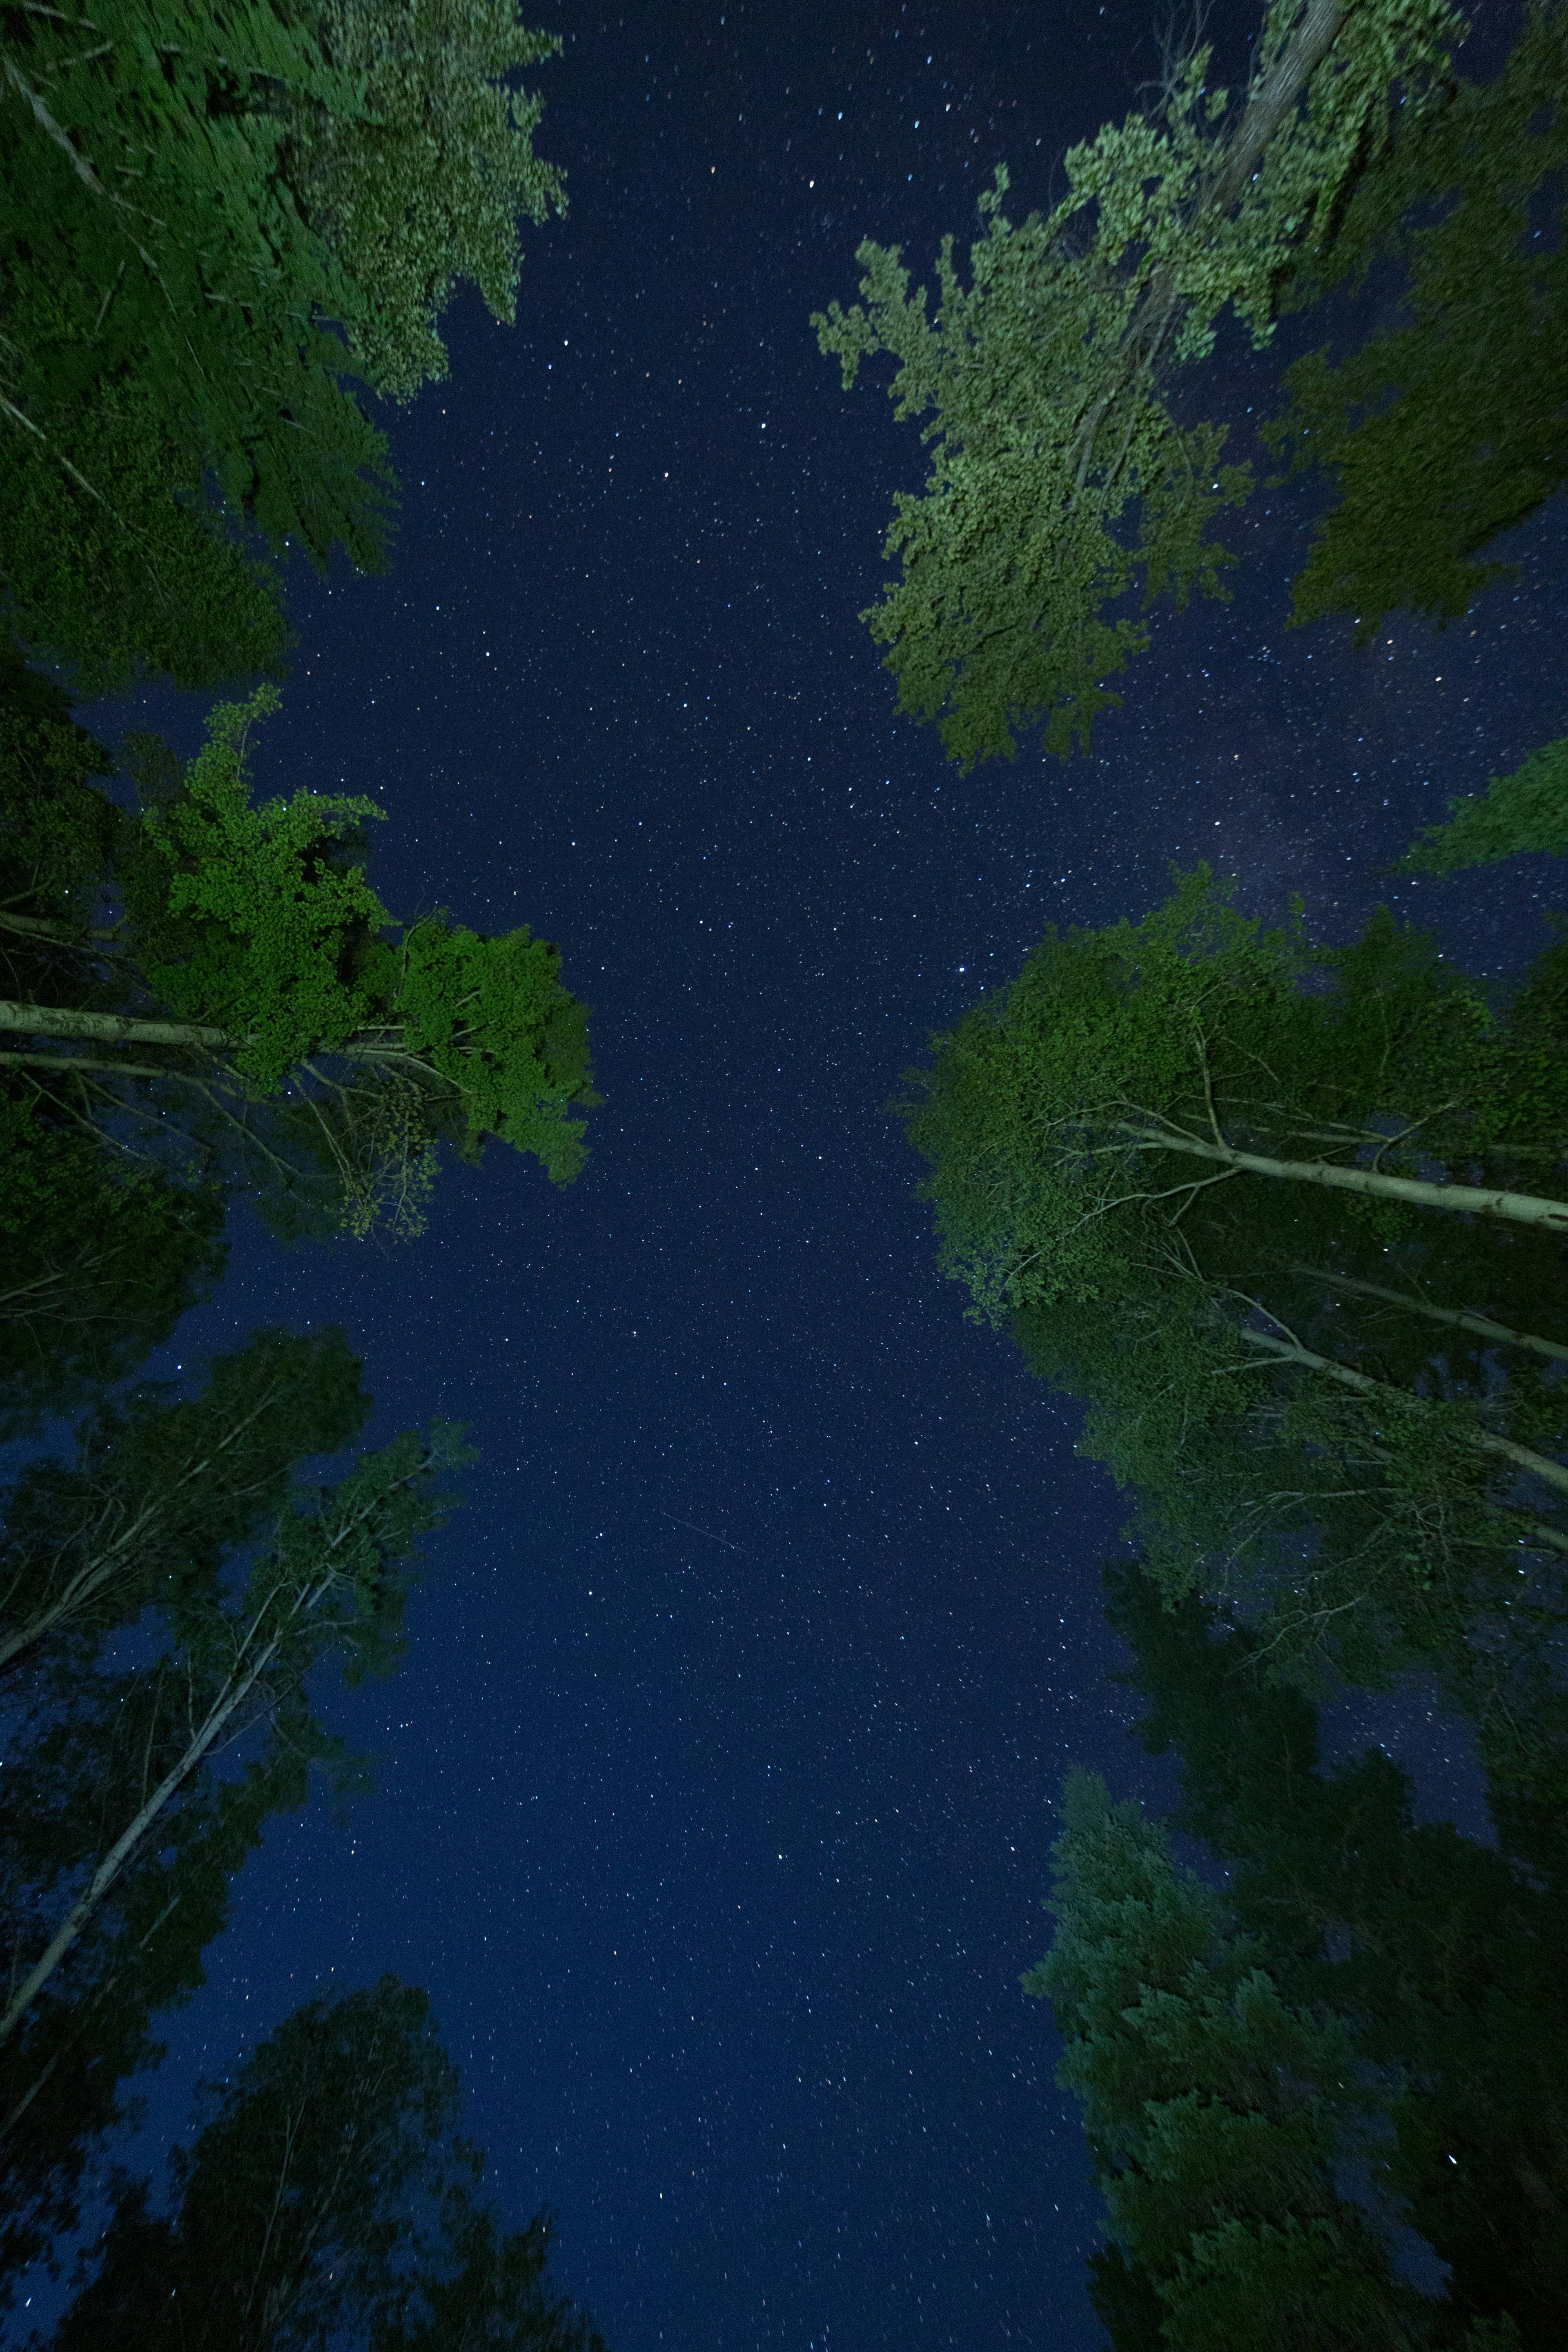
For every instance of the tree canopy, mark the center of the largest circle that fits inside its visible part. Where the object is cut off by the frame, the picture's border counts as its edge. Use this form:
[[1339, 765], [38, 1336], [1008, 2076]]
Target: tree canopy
[[1218, 2114], [1062, 478], [328, 2197], [1253, 1202], [272, 1022], [1517, 814], [1451, 426], [216, 226], [1439, 1950]]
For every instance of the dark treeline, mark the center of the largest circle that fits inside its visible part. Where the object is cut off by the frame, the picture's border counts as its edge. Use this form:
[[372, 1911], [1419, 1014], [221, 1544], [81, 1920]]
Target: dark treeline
[[224, 228], [1288, 1221]]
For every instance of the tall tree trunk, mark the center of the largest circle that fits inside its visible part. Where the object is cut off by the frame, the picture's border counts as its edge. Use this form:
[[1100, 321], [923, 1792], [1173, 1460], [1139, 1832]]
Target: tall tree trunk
[[1518, 1208], [109, 1028], [232, 1695]]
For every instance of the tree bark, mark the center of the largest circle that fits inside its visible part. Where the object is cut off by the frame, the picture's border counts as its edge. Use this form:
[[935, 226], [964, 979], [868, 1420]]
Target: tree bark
[[109, 1028], [1518, 1208], [1460, 1319], [1523, 1457]]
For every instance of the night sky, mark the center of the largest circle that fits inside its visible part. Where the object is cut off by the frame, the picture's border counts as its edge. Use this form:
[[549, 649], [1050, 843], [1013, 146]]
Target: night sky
[[714, 1800]]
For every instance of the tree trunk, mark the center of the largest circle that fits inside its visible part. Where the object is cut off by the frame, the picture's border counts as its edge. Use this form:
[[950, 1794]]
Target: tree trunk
[[109, 1028], [1541, 1466], [1518, 1208], [1459, 1318]]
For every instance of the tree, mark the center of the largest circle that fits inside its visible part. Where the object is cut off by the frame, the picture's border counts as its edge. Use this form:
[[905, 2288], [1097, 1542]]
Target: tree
[[1441, 1952], [1218, 2114], [1451, 426], [1043, 378], [163, 1486], [101, 1256], [328, 2197], [1527, 811], [423, 188], [1338, 1406], [329, 1588], [215, 225], [272, 1035], [92, 2029]]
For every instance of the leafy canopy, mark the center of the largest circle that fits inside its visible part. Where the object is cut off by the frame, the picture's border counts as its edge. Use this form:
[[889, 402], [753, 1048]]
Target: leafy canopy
[[1451, 426], [1217, 2113], [327, 2196], [1061, 478], [318, 1049], [215, 226], [1517, 814]]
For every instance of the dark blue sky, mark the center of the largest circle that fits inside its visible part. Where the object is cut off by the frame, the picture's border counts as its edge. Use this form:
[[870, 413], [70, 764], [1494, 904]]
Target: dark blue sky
[[715, 1797]]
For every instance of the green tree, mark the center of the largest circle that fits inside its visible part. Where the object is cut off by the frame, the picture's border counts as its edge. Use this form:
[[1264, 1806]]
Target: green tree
[[1218, 2114], [328, 1588], [161, 1486], [1451, 426], [1527, 811], [422, 188], [272, 1033], [215, 224], [1441, 1952], [100, 1257], [327, 2197], [1060, 478], [92, 2029], [1194, 1169]]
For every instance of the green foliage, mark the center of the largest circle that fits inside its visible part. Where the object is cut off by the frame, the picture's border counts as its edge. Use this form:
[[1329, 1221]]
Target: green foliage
[[139, 577], [316, 1057], [1442, 1952], [243, 1663], [101, 1260], [262, 904], [424, 188], [61, 2072], [1323, 1400], [1216, 2111], [1517, 814], [100, 1257], [1057, 1115], [1060, 478], [491, 1016], [1451, 426], [327, 2197], [215, 224], [163, 1486], [166, 298]]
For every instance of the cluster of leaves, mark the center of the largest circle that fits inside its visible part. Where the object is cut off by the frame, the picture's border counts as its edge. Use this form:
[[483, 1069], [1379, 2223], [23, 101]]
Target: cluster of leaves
[[1060, 478], [426, 185], [254, 1015], [121, 1824], [1518, 814], [216, 223], [1452, 426], [1223, 1188]]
